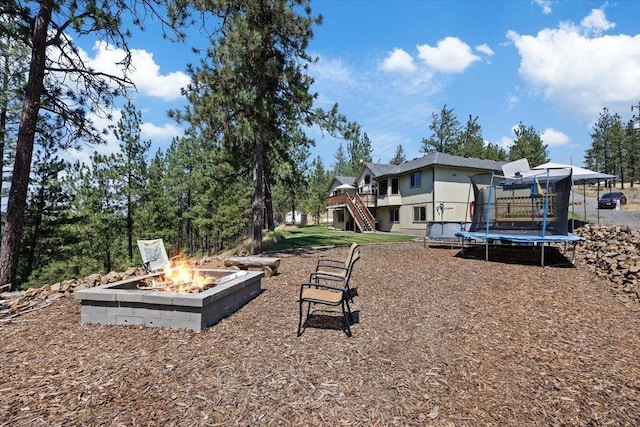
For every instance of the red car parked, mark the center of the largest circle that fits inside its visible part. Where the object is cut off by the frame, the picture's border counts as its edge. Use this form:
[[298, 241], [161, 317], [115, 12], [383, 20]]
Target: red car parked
[[610, 200]]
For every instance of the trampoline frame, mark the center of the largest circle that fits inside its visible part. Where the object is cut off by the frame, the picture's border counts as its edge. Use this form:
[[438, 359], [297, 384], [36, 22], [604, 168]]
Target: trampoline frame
[[523, 237]]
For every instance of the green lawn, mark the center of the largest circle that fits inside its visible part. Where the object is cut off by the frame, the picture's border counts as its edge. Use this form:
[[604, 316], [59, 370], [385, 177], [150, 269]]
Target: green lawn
[[318, 235]]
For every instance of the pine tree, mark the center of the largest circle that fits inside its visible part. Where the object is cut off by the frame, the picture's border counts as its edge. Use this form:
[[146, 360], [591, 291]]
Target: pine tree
[[98, 203], [445, 129], [157, 215], [252, 90], [469, 141], [317, 188], [632, 148], [600, 155], [341, 165], [131, 165], [528, 144], [71, 88], [398, 157], [46, 212], [14, 58], [359, 148]]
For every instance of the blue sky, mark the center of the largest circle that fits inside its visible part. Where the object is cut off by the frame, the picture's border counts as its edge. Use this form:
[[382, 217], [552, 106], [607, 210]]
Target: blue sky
[[389, 65]]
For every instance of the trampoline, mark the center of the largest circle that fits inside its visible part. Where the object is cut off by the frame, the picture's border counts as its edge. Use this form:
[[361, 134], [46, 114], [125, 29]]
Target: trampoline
[[530, 208]]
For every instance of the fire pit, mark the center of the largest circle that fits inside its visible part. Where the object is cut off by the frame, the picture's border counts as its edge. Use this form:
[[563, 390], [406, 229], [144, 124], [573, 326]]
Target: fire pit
[[143, 301]]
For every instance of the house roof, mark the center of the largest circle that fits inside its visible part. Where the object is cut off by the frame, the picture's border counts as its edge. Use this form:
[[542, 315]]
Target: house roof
[[344, 179], [441, 159], [341, 180], [378, 169]]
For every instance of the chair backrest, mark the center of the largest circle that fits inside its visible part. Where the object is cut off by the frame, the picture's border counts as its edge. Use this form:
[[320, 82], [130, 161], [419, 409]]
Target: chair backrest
[[349, 258], [355, 256], [154, 255]]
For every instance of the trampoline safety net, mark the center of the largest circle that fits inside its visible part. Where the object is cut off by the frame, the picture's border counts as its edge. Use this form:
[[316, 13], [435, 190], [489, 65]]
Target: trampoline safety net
[[532, 205]]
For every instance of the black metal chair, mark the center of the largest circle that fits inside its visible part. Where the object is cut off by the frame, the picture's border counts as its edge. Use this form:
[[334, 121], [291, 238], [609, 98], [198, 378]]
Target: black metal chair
[[336, 270], [317, 292]]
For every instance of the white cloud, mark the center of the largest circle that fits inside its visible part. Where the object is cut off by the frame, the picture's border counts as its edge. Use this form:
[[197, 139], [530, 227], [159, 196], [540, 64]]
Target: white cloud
[[597, 22], [398, 60], [331, 70], [484, 48], [148, 131], [451, 55], [555, 138], [505, 142], [513, 101], [578, 73], [546, 6], [165, 132], [145, 73]]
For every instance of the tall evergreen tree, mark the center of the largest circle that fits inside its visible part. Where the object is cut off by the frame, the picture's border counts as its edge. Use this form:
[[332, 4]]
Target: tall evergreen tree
[[131, 163], [317, 188], [469, 141], [97, 201], [495, 152], [359, 148], [252, 89], [632, 149], [528, 144], [607, 151], [618, 148], [14, 59], [445, 129], [46, 212], [398, 157], [59, 78], [341, 164]]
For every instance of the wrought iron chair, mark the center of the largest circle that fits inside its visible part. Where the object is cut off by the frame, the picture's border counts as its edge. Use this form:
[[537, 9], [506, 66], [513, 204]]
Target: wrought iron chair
[[322, 293], [154, 255]]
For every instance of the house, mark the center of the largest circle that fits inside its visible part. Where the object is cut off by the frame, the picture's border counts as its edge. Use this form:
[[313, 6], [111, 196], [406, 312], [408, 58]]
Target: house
[[299, 218], [406, 197]]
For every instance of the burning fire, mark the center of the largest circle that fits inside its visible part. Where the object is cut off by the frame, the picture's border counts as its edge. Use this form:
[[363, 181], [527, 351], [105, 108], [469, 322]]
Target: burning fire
[[178, 277]]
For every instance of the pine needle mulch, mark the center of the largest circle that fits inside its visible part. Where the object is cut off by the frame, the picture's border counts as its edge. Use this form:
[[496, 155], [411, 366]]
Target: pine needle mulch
[[439, 340]]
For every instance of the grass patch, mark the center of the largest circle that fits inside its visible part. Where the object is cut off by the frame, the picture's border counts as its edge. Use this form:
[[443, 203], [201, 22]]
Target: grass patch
[[318, 235]]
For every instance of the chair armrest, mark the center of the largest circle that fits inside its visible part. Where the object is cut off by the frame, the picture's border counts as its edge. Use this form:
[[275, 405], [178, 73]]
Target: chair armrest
[[327, 275], [333, 263]]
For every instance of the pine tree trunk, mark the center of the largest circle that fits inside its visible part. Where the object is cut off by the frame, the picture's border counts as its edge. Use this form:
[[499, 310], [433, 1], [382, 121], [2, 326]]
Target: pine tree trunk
[[268, 199], [256, 198], [37, 223], [130, 227], [17, 201], [4, 111]]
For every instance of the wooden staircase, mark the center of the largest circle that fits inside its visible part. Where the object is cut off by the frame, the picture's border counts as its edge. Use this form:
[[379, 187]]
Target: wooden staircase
[[360, 212]]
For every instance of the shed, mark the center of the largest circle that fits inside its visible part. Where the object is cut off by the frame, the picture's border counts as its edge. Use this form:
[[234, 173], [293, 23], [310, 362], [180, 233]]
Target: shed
[[300, 218]]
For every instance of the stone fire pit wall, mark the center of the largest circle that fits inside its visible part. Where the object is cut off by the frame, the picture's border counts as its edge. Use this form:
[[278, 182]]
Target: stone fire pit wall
[[121, 303]]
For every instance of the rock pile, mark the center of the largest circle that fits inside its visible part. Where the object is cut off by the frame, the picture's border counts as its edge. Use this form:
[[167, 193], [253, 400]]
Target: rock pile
[[612, 252], [15, 303]]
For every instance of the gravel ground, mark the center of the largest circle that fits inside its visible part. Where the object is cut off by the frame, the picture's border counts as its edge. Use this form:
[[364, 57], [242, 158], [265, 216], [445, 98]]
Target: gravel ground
[[625, 216], [440, 340]]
